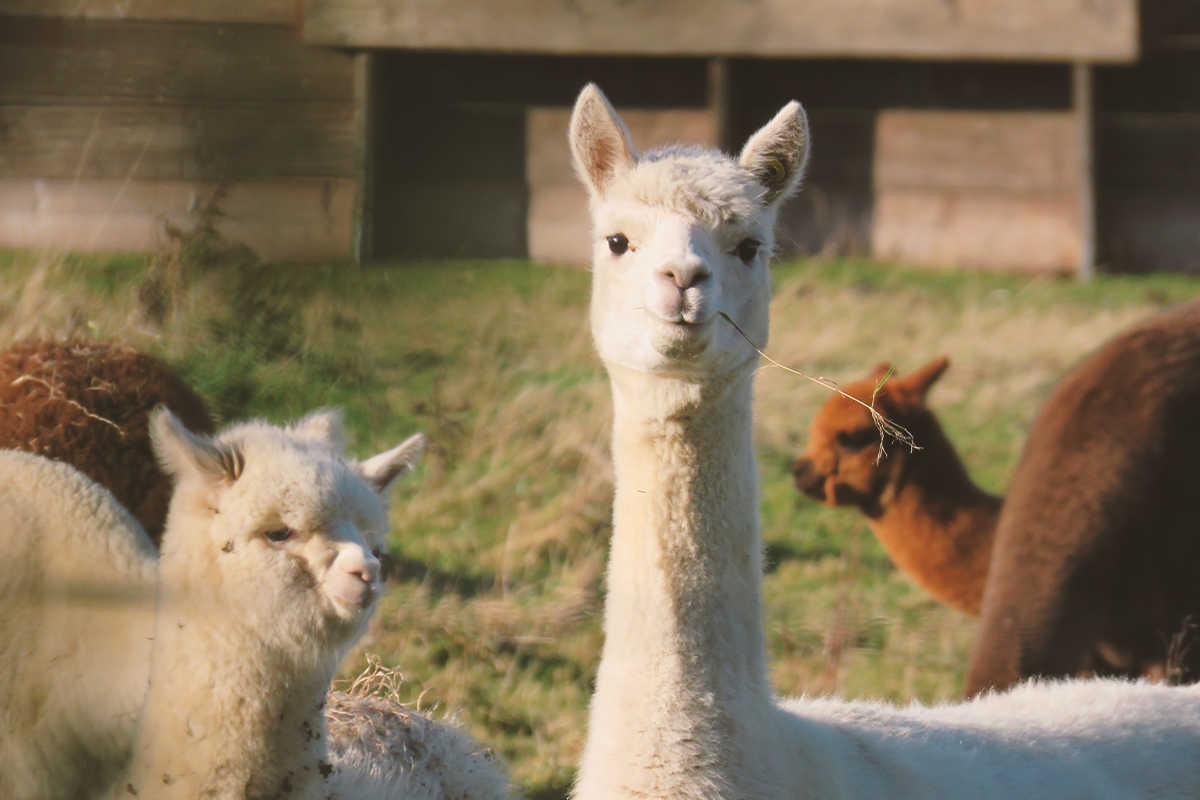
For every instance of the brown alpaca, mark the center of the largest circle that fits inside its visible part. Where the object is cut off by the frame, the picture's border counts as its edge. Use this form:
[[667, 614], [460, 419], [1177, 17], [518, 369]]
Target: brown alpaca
[[933, 521], [1097, 551], [89, 405]]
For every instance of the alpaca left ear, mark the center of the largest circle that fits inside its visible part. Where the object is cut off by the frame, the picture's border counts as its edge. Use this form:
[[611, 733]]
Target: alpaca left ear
[[778, 153], [181, 452], [324, 425], [379, 471]]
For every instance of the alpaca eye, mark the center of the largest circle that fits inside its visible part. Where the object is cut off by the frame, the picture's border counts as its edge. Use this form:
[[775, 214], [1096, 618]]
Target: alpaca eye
[[853, 441], [279, 535], [618, 243], [747, 249]]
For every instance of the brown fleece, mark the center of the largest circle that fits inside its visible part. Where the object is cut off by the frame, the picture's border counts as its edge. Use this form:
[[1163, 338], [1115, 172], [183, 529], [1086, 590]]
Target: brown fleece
[[88, 404]]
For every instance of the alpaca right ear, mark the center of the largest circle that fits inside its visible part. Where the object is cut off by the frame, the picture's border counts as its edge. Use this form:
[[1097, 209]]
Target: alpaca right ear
[[778, 153], [181, 452], [379, 471], [917, 385], [601, 147]]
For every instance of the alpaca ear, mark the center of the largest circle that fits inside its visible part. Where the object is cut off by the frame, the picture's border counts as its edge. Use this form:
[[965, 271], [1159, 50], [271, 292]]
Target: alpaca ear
[[917, 385], [778, 153], [379, 471], [181, 452], [324, 425], [601, 147]]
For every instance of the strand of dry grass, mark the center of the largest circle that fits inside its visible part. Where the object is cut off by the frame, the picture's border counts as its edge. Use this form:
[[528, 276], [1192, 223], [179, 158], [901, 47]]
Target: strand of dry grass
[[884, 425]]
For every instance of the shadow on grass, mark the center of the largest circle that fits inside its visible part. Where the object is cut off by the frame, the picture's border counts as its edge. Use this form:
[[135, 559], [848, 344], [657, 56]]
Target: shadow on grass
[[550, 791], [439, 582]]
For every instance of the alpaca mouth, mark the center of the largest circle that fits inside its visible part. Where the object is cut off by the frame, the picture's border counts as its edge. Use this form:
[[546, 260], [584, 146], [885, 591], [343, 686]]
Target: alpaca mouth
[[350, 603]]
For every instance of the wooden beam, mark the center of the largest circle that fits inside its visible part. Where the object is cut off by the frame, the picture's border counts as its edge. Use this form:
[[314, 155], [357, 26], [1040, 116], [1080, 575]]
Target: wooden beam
[[1052, 30], [289, 219], [718, 100], [44, 61], [364, 161], [274, 12], [1082, 109], [203, 142]]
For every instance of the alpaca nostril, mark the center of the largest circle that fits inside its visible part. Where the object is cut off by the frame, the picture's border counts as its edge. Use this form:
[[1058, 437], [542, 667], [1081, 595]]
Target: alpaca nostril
[[685, 277]]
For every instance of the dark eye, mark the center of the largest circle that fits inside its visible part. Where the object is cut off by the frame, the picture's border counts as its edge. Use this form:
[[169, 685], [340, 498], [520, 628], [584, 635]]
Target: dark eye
[[618, 243], [853, 441], [747, 249], [279, 535]]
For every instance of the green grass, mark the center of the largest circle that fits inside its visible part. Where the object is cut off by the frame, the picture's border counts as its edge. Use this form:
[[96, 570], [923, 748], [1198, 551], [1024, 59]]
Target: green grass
[[500, 537]]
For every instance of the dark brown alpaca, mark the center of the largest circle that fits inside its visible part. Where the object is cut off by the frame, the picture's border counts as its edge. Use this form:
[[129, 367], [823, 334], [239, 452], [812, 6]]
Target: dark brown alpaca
[[934, 522], [1096, 563], [89, 405]]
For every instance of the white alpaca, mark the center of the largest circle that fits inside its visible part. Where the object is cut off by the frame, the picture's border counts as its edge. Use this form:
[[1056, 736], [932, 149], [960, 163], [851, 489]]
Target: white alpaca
[[266, 577], [683, 707]]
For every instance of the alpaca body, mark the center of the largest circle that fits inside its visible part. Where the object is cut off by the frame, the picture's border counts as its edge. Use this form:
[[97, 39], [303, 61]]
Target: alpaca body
[[928, 514], [76, 624], [683, 707], [1092, 567], [89, 404], [381, 750]]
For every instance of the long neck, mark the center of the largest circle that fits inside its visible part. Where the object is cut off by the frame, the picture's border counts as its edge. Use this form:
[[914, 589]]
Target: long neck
[[227, 715], [937, 525], [683, 673]]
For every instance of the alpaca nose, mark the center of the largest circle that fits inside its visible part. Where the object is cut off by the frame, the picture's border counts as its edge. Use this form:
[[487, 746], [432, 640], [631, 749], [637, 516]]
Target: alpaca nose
[[685, 273], [808, 479], [359, 563]]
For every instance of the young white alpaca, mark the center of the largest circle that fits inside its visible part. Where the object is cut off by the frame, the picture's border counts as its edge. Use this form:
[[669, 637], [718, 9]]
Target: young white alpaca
[[272, 604], [682, 707], [266, 578]]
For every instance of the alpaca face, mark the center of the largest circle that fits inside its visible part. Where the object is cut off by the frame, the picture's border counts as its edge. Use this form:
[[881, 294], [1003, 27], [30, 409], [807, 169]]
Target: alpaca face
[[277, 526], [841, 465], [682, 237]]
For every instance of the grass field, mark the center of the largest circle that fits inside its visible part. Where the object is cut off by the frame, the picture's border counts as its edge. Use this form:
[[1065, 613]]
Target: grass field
[[493, 614]]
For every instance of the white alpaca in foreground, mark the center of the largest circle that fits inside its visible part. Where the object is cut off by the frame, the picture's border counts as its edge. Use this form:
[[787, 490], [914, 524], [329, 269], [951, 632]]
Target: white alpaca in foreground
[[682, 707], [266, 577]]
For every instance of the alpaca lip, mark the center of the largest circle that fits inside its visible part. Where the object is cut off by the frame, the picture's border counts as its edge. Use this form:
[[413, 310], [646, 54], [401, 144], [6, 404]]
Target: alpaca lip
[[350, 602]]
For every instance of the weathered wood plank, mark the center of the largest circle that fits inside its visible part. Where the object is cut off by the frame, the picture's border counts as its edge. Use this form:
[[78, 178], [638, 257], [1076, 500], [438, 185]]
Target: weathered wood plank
[[1020, 152], [977, 230], [227, 142], [559, 224], [973, 29], [277, 12], [997, 190], [44, 60], [294, 220]]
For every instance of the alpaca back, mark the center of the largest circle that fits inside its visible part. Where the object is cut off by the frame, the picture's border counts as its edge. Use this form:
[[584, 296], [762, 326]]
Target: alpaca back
[[1093, 568], [381, 749], [88, 404], [1055, 740], [76, 620]]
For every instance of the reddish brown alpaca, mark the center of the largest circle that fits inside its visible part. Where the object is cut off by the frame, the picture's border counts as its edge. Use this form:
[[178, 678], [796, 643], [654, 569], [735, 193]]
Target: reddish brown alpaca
[[934, 522], [1097, 551], [89, 405]]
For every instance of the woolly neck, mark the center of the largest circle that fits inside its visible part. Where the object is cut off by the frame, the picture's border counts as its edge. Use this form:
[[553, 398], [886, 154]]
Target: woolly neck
[[936, 524], [683, 672], [227, 714]]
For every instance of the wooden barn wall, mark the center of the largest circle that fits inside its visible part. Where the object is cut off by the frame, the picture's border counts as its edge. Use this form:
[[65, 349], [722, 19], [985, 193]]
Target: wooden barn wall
[[834, 214], [469, 164], [929, 29], [978, 189], [1148, 149], [110, 128]]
